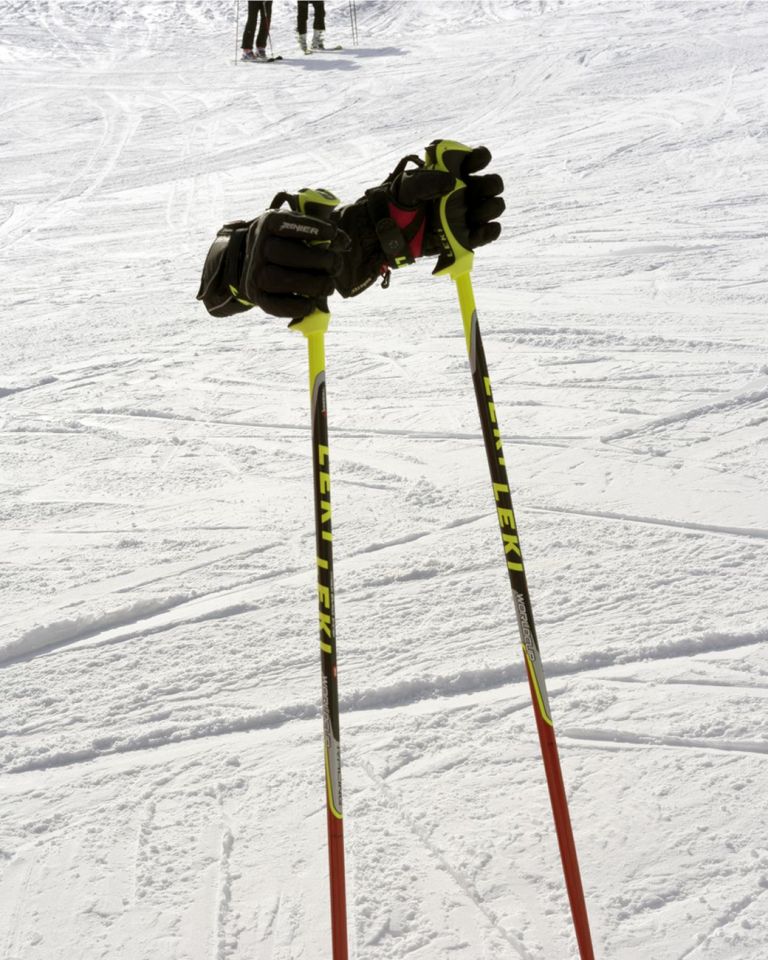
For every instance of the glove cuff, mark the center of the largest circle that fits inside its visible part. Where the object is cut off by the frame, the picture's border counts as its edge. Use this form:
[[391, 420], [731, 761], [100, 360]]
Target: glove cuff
[[221, 271], [412, 226]]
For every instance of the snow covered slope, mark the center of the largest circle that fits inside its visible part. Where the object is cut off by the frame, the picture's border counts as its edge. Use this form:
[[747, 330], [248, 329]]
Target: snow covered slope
[[161, 792]]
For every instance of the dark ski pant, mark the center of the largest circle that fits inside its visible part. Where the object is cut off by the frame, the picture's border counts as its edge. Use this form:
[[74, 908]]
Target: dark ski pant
[[318, 20], [256, 9]]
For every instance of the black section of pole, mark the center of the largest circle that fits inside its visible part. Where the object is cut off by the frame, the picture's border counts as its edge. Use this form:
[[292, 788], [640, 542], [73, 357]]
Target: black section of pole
[[502, 493]]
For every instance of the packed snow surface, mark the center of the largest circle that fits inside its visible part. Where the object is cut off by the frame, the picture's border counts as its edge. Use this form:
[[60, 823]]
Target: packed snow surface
[[161, 773]]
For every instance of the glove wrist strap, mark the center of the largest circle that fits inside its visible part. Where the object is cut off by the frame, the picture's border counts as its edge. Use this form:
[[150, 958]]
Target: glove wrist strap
[[400, 232]]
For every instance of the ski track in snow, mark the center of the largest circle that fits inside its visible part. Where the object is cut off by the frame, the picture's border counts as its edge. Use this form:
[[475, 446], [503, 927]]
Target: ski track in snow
[[160, 736]]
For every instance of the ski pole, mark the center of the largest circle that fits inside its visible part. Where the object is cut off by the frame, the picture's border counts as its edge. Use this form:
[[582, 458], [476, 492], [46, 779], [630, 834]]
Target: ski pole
[[353, 21], [456, 262], [320, 203], [237, 27]]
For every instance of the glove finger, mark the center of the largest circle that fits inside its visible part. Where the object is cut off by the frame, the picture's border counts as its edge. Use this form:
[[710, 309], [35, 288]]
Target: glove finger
[[490, 209], [289, 306], [301, 256], [475, 160], [286, 223], [415, 186], [489, 185], [275, 279], [485, 234]]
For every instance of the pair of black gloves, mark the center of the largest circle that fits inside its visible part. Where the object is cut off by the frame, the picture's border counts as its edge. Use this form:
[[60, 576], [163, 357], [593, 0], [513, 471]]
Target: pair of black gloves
[[287, 262]]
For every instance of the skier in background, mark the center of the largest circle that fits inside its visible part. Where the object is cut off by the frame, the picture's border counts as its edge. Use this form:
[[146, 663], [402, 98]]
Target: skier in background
[[257, 10], [318, 24], [267, 263]]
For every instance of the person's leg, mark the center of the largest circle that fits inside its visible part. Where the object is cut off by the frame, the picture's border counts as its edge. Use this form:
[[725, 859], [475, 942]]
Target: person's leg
[[250, 24], [318, 24], [266, 17], [302, 16], [318, 21]]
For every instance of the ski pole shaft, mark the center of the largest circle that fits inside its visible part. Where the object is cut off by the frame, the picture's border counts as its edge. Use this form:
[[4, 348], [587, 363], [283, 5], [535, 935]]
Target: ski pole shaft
[[522, 602], [458, 265], [237, 27], [353, 21], [314, 328]]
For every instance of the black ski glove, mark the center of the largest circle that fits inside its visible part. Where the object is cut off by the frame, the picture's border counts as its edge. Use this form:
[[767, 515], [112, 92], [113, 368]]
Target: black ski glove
[[283, 262], [399, 221], [470, 213]]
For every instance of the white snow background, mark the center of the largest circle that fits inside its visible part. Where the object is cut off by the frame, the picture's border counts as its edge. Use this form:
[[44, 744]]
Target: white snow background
[[161, 787]]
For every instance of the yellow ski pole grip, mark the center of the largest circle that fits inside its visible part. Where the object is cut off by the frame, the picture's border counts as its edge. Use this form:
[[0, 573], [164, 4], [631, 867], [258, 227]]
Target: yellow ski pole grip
[[320, 204], [455, 258], [316, 203]]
